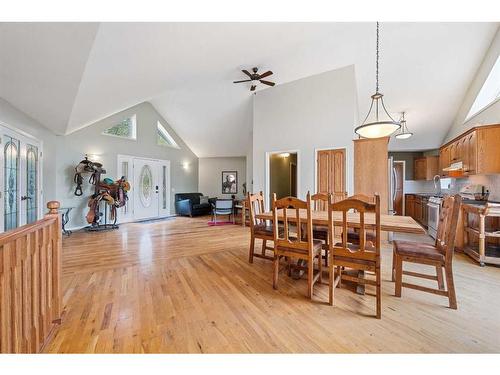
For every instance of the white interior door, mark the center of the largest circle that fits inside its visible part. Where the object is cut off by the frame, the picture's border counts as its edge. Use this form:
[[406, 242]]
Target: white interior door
[[20, 179]]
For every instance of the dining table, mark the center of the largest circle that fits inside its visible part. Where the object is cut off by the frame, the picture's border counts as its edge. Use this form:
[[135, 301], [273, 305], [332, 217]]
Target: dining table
[[388, 223]]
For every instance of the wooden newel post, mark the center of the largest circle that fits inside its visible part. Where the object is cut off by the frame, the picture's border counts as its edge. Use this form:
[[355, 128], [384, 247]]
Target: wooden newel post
[[56, 237], [53, 207]]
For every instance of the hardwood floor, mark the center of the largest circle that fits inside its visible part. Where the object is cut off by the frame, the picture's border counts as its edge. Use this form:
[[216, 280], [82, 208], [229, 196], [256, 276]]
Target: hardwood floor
[[180, 286]]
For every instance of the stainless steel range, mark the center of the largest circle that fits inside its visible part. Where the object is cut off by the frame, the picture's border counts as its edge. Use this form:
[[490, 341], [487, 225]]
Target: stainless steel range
[[433, 208]]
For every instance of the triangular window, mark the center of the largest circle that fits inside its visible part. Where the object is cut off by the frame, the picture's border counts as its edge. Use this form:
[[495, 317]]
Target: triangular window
[[164, 138], [489, 93], [127, 128]]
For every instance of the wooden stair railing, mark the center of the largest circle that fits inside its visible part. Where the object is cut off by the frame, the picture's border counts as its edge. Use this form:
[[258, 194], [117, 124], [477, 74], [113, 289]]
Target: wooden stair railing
[[30, 283]]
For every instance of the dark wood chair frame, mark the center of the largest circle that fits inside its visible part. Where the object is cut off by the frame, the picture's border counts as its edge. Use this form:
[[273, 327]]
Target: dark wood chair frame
[[445, 243]]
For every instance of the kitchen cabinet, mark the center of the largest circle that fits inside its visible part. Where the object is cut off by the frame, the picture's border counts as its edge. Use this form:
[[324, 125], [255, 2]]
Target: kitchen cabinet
[[472, 153], [426, 168], [444, 160], [410, 205], [416, 207], [477, 149], [488, 150]]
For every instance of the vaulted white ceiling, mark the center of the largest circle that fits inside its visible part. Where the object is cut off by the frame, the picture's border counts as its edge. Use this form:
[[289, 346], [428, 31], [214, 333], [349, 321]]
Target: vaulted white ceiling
[[69, 75]]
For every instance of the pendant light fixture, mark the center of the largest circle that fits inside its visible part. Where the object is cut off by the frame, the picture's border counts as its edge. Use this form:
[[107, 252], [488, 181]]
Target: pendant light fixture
[[403, 133], [379, 123]]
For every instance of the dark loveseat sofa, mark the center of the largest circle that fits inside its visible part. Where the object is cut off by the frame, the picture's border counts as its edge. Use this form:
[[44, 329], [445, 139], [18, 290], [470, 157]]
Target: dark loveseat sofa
[[188, 204]]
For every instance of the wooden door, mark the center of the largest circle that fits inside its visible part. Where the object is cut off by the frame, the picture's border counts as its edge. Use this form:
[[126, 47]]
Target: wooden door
[[398, 188], [331, 171]]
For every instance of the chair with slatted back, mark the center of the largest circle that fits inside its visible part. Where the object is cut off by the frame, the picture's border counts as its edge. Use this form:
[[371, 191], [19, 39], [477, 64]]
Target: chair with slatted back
[[320, 203], [353, 234], [298, 246], [439, 255], [365, 256], [258, 227]]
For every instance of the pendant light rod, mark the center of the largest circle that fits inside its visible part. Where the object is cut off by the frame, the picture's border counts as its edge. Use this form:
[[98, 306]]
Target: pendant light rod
[[377, 127], [376, 61]]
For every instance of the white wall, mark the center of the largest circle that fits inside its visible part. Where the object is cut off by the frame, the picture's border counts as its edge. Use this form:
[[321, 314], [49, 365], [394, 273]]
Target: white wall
[[15, 118], [89, 140], [490, 115], [210, 175], [304, 115]]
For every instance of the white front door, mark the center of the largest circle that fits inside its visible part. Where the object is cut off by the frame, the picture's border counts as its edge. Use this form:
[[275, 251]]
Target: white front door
[[151, 188], [20, 179]]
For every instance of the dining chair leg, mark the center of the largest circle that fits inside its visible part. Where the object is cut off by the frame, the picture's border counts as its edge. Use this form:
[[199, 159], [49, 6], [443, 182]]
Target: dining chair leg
[[440, 279], [399, 275], [451, 287], [310, 275], [264, 243], [320, 266], [379, 294], [331, 288], [326, 255], [393, 269], [276, 266], [340, 276], [252, 247]]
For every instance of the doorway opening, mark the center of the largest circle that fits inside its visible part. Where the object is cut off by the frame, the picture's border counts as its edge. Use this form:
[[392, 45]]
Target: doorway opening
[[283, 176]]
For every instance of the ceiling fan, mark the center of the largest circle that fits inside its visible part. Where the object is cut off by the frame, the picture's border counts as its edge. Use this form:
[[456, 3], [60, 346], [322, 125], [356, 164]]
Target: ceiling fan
[[256, 77]]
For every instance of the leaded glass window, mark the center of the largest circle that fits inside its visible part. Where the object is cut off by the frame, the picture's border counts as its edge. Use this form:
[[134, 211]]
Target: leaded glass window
[[164, 187], [146, 186], [11, 179], [126, 128], [31, 183]]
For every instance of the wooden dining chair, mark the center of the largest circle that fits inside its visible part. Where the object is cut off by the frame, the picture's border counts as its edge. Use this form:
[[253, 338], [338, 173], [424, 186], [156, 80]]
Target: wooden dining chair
[[439, 255], [364, 257], [320, 203], [258, 227], [352, 233], [297, 246]]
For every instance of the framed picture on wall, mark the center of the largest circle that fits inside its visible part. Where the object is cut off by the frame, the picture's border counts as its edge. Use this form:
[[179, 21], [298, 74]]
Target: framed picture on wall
[[229, 182]]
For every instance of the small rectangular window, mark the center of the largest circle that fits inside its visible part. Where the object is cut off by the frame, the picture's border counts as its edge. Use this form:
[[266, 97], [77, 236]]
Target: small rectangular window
[[126, 128]]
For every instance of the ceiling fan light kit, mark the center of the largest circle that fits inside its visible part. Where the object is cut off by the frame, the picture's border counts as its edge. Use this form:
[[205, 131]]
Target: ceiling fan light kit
[[379, 123], [255, 78]]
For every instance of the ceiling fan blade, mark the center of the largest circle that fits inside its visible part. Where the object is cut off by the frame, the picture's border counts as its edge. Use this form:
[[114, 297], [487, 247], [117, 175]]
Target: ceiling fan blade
[[266, 74], [247, 73], [253, 88], [267, 82], [245, 80]]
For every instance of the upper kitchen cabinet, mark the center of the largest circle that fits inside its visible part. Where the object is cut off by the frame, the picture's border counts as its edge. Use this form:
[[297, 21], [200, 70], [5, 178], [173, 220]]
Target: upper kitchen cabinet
[[426, 168], [488, 150], [476, 151]]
